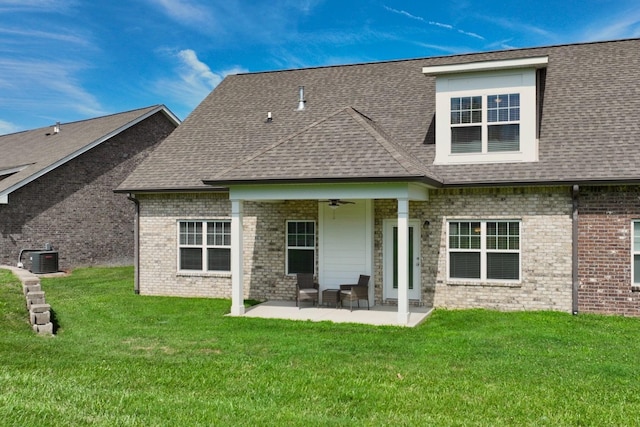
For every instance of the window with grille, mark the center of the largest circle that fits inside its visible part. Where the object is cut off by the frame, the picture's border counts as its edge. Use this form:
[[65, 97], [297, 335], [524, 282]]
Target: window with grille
[[485, 124], [484, 250], [204, 245], [635, 262], [301, 247]]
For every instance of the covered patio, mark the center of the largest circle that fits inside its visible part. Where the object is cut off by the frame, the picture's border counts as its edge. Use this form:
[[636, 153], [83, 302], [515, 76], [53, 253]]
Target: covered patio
[[379, 315], [304, 166]]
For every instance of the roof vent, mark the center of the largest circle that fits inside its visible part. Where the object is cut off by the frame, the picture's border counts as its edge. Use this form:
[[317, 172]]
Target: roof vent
[[301, 101], [56, 128]]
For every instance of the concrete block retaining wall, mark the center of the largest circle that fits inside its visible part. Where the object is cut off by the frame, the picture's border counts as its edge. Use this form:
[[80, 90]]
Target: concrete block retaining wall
[[39, 310]]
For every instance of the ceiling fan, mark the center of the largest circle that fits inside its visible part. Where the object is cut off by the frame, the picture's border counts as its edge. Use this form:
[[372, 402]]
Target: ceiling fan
[[334, 203]]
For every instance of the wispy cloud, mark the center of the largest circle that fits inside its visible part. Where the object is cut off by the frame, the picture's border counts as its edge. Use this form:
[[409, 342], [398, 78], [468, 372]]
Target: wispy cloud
[[54, 82], [434, 23], [7, 127], [187, 12], [30, 35], [625, 24], [193, 79]]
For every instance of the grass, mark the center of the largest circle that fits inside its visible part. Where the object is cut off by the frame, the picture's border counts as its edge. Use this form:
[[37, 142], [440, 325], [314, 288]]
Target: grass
[[121, 359]]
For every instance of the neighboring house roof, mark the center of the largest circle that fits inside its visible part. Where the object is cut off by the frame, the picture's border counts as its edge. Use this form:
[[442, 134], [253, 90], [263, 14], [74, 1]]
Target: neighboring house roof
[[376, 120], [26, 156]]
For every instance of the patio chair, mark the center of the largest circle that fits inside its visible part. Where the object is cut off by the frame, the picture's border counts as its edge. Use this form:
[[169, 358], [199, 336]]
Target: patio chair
[[355, 292], [306, 289]]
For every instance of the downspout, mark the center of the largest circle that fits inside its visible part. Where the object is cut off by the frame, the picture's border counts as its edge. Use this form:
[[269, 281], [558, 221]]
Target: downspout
[[574, 255], [136, 245]]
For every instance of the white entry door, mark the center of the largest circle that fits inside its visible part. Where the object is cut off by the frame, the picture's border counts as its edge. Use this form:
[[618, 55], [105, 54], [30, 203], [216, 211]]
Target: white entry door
[[390, 259], [346, 244]]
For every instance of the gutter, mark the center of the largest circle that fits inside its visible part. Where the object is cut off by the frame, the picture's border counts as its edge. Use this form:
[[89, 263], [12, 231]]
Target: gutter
[[575, 192], [136, 245], [322, 180]]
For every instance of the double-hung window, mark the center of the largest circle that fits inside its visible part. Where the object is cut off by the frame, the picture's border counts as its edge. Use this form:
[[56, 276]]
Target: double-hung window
[[487, 111], [484, 250], [485, 124], [636, 253], [204, 245], [301, 247]]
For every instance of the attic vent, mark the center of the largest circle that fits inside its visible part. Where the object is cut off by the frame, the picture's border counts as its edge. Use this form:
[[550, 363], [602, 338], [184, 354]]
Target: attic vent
[[301, 100]]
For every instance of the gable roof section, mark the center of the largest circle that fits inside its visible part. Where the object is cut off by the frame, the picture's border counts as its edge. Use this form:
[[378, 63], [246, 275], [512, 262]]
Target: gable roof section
[[588, 130], [345, 145], [31, 154]]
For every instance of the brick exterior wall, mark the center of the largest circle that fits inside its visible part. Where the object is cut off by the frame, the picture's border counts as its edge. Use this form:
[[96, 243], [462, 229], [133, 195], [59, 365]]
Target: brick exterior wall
[[264, 245], [546, 248], [545, 238], [74, 207], [604, 246]]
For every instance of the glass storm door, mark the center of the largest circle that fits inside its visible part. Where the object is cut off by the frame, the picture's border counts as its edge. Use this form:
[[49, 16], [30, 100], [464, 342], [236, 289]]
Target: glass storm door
[[391, 259]]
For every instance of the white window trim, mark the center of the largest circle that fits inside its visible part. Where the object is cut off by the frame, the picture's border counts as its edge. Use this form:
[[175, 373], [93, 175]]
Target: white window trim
[[287, 247], [634, 285], [204, 246], [495, 82], [483, 253]]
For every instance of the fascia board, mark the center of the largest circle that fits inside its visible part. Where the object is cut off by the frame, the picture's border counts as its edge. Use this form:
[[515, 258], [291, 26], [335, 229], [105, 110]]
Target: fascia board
[[505, 64]]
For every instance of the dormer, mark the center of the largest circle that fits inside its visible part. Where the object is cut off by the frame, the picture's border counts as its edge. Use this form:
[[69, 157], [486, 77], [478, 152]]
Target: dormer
[[486, 112]]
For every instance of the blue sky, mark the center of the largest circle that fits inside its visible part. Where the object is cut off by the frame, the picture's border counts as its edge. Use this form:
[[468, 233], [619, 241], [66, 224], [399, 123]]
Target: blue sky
[[67, 60]]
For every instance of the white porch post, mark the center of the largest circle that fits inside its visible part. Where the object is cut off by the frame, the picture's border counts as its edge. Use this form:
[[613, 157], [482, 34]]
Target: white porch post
[[237, 261], [403, 261]]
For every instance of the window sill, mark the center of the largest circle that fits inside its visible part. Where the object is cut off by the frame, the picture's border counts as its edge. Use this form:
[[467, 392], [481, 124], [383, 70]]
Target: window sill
[[486, 284], [203, 274]]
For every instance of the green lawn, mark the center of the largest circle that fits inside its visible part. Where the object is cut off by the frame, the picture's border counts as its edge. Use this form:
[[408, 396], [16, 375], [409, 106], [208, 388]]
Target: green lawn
[[121, 359]]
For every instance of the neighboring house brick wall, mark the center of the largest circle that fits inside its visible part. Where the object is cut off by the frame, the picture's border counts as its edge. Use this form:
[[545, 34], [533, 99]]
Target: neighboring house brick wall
[[545, 239], [74, 207], [604, 246]]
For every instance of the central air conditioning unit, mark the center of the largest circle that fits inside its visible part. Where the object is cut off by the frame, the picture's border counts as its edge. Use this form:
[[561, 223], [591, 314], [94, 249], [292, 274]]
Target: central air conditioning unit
[[44, 262]]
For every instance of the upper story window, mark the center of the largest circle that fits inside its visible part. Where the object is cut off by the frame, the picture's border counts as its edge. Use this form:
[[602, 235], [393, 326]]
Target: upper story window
[[486, 111], [485, 124]]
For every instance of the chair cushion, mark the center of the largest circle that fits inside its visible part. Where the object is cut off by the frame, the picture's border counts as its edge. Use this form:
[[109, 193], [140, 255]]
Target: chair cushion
[[309, 291]]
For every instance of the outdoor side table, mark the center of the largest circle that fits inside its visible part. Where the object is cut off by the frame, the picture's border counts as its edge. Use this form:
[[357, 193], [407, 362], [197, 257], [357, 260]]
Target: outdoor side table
[[331, 296]]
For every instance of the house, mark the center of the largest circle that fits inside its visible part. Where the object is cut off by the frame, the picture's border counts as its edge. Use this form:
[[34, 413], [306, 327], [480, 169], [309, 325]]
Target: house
[[56, 187], [504, 180]]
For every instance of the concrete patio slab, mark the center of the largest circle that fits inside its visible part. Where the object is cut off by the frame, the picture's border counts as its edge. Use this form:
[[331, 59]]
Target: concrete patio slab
[[377, 315]]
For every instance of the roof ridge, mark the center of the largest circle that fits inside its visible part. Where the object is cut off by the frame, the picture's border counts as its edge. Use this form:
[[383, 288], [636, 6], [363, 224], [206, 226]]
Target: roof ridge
[[397, 151], [445, 56]]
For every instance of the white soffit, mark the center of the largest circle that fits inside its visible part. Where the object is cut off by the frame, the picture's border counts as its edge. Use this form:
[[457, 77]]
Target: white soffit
[[258, 192], [506, 64]]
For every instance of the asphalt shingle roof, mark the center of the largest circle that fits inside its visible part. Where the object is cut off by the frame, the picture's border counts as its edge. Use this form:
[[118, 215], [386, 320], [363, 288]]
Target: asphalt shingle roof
[[343, 145], [374, 120], [33, 151]]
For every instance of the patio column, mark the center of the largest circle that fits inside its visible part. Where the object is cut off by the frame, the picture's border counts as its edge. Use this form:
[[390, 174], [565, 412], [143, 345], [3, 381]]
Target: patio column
[[403, 261], [237, 261]]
